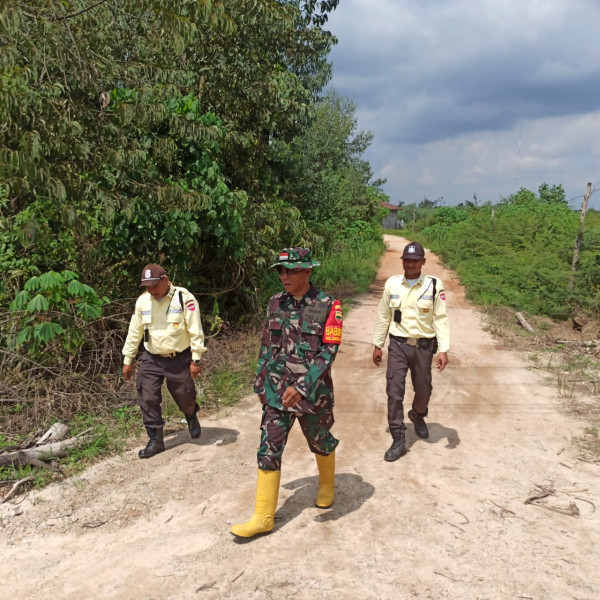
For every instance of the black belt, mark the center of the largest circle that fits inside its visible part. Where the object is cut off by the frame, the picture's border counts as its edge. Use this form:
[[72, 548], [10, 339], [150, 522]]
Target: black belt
[[427, 343], [169, 354]]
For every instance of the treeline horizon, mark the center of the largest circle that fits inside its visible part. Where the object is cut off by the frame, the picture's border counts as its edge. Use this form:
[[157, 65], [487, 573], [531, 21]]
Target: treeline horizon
[[519, 252]]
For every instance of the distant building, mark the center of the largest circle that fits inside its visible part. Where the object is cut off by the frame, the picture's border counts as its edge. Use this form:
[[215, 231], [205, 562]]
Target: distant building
[[391, 221]]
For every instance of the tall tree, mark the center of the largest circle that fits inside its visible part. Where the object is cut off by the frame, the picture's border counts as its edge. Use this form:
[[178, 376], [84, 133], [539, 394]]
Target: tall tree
[[141, 128]]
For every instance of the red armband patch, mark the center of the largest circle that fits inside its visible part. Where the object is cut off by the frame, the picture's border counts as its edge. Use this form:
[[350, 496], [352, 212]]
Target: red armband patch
[[333, 325]]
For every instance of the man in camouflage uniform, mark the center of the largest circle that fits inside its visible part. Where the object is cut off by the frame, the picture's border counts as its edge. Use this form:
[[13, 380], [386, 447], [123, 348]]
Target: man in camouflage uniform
[[300, 339]]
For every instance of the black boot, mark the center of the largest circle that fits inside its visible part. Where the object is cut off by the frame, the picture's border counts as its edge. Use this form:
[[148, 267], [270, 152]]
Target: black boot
[[193, 426], [155, 444], [398, 447], [419, 423]]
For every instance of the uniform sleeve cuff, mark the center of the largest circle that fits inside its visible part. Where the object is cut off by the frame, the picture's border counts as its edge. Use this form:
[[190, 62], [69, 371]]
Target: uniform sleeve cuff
[[128, 360]]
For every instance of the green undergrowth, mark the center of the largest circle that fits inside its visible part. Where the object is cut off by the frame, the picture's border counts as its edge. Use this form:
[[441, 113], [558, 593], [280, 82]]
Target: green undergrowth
[[229, 367]]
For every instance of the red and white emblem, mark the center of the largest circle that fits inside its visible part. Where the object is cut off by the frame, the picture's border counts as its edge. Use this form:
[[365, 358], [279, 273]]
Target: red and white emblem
[[443, 295]]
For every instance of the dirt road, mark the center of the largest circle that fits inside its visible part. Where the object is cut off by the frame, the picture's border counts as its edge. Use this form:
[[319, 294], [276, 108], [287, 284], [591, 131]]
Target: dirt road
[[448, 520]]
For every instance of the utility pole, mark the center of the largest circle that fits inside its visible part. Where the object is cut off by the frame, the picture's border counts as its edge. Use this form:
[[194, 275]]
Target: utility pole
[[579, 235]]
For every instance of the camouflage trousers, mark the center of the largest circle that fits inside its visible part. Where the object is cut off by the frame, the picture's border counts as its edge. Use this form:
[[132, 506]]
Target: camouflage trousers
[[276, 426]]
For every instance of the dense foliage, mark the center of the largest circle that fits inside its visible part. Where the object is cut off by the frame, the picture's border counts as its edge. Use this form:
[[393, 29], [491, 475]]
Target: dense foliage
[[183, 132], [519, 253]]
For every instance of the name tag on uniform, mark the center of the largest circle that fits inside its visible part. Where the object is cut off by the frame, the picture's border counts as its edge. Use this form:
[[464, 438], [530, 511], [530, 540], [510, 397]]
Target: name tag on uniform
[[430, 297], [394, 296], [277, 314], [174, 310], [316, 314]]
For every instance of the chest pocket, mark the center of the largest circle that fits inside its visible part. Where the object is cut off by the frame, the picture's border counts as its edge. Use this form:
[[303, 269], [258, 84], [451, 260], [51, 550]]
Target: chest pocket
[[146, 317], [175, 315], [427, 298], [425, 306], [275, 333], [175, 310], [310, 338], [395, 301]]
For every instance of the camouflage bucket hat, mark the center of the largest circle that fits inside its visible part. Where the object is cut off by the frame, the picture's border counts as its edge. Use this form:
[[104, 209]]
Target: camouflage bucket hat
[[296, 258]]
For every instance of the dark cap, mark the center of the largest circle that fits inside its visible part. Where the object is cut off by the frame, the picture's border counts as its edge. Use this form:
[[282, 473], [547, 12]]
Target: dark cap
[[296, 258], [413, 250], [152, 274]]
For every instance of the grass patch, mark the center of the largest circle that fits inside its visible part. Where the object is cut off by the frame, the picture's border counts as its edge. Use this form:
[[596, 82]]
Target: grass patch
[[230, 368], [349, 271], [111, 434]]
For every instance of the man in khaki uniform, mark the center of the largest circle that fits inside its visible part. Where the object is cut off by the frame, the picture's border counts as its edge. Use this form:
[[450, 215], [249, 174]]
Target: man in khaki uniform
[[413, 311], [167, 318]]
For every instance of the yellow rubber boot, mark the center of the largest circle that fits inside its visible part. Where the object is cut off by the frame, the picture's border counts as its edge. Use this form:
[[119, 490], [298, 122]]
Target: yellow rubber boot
[[326, 466], [263, 519]]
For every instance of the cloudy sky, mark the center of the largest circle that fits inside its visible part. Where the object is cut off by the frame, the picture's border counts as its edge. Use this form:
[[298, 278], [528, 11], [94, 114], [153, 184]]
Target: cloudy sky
[[472, 97]]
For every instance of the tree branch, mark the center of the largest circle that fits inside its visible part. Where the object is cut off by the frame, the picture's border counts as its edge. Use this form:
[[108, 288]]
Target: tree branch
[[81, 11]]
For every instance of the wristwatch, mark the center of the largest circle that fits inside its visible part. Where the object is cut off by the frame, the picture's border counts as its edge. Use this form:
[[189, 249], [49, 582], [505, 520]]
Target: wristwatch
[[196, 361]]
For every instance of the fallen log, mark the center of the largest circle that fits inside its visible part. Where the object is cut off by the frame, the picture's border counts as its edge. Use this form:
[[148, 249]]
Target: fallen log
[[524, 323], [57, 432], [45, 452], [588, 344]]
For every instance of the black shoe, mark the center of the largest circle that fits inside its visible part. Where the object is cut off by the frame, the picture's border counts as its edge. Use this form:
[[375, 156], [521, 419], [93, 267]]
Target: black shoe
[[155, 444], [193, 426], [398, 447], [419, 423]]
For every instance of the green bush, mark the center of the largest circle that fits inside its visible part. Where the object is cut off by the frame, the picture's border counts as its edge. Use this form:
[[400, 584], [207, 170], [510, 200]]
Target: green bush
[[520, 254], [52, 309]]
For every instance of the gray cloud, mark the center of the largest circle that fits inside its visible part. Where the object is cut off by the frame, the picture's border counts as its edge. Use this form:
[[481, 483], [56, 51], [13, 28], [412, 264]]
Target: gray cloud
[[449, 88]]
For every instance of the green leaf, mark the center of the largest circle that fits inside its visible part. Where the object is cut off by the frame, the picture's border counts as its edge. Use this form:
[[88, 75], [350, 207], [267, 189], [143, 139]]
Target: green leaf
[[51, 280], [32, 284], [47, 331], [75, 288], [20, 301], [24, 336], [69, 275], [38, 304], [88, 311]]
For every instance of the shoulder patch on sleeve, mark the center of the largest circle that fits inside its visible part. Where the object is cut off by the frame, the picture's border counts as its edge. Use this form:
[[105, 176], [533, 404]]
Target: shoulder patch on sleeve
[[333, 325]]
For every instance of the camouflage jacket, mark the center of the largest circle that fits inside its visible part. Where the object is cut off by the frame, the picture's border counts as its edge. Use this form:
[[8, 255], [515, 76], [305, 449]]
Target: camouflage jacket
[[293, 353]]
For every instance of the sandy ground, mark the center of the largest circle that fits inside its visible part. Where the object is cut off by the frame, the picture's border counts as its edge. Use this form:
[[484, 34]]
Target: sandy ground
[[448, 520]]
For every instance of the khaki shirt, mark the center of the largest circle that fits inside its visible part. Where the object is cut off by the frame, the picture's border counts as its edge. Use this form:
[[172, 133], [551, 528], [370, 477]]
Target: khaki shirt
[[171, 327], [422, 316]]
